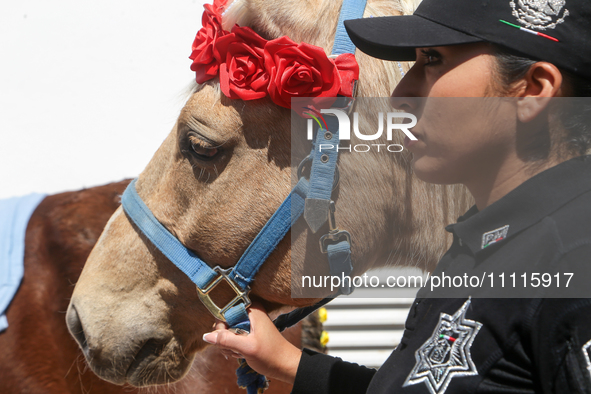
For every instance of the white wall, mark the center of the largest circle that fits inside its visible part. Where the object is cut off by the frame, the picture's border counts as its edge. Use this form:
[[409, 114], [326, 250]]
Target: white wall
[[89, 89]]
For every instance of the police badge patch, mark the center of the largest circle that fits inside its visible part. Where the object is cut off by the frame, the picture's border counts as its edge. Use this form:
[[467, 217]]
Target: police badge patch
[[446, 354], [539, 14]]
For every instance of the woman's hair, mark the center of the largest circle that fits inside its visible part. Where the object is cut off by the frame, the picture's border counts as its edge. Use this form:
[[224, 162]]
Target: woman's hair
[[575, 115]]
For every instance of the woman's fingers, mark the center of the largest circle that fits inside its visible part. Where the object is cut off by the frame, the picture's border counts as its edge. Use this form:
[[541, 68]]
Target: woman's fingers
[[229, 353], [259, 318], [228, 340], [265, 349]]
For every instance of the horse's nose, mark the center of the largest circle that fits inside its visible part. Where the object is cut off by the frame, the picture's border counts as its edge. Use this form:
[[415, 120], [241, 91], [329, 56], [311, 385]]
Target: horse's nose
[[75, 327]]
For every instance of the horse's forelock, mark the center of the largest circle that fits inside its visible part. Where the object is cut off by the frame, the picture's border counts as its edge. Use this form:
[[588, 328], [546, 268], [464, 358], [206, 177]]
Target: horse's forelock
[[236, 13], [275, 18]]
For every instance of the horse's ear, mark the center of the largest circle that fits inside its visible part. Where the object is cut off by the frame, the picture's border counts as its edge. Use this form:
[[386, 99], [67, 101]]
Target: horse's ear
[[389, 7], [409, 6], [236, 13]]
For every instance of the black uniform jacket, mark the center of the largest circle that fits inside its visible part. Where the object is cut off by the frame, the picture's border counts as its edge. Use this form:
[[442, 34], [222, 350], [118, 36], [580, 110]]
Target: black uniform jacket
[[473, 343]]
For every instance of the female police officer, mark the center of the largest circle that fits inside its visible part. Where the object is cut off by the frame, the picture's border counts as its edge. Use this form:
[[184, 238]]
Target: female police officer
[[533, 199]]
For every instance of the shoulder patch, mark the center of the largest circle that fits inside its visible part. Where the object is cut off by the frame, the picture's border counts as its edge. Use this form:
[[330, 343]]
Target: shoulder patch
[[494, 236]]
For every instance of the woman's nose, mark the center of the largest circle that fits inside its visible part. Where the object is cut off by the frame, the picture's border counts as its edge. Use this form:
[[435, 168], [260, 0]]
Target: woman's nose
[[405, 104], [405, 95]]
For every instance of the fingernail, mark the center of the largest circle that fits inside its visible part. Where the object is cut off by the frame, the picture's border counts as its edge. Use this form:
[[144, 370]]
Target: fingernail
[[210, 337]]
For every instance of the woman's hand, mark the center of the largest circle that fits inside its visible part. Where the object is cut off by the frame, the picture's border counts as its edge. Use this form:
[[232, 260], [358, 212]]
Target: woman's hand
[[265, 349]]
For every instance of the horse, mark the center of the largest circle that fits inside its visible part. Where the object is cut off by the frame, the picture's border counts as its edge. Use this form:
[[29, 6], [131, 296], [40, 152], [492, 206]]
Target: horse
[[39, 355], [215, 181]]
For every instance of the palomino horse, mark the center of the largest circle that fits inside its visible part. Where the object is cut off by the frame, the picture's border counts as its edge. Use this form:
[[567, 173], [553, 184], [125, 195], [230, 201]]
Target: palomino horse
[[38, 353], [215, 181]]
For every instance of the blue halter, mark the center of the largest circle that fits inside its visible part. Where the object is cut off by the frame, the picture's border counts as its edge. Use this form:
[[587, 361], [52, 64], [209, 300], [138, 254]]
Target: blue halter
[[206, 278], [242, 274], [309, 197]]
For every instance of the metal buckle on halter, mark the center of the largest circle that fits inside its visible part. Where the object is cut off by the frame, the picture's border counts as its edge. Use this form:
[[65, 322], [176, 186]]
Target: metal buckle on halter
[[334, 234], [216, 311]]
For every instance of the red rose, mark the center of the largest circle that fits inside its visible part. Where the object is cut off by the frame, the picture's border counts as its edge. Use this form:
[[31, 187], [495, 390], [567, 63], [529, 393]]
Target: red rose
[[242, 70], [299, 71], [205, 64], [348, 71], [219, 6]]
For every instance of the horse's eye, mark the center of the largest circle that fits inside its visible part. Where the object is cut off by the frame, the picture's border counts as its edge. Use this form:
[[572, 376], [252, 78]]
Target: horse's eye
[[202, 150]]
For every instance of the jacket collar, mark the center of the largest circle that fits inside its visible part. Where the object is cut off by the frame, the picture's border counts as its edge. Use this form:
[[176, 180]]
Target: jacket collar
[[525, 205]]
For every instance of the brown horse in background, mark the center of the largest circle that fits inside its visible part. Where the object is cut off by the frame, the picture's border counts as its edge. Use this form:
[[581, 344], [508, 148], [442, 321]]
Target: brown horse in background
[[38, 353]]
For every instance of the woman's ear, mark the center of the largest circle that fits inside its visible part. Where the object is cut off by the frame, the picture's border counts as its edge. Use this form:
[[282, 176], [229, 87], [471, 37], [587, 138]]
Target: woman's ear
[[542, 82]]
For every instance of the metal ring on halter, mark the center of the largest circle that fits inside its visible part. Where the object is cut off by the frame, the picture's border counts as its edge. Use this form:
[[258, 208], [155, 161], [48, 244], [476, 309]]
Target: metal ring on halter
[[301, 166], [337, 175]]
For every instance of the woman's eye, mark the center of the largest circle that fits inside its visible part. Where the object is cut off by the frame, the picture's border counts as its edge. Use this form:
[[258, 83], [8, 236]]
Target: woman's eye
[[202, 150], [430, 56]]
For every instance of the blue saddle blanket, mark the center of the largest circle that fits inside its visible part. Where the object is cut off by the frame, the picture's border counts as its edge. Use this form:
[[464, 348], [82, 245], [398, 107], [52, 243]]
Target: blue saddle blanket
[[14, 216]]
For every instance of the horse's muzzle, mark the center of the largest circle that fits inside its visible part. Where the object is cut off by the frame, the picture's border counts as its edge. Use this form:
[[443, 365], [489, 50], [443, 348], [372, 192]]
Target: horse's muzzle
[[146, 359], [76, 329]]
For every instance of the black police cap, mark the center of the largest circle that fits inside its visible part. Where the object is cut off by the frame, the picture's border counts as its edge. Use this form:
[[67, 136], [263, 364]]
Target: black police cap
[[556, 31]]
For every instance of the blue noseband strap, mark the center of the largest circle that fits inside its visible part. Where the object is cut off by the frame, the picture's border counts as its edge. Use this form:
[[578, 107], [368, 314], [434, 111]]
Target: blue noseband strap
[[197, 270], [191, 265]]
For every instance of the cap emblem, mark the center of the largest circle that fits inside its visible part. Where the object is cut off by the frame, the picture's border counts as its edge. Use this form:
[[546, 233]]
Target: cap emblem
[[539, 14]]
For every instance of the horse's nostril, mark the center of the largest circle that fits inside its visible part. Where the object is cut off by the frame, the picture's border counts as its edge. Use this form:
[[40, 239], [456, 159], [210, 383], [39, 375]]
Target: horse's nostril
[[75, 327], [152, 347], [150, 350]]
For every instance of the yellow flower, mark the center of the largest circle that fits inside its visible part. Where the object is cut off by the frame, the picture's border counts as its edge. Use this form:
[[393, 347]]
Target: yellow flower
[[322, 314], [324, 338]]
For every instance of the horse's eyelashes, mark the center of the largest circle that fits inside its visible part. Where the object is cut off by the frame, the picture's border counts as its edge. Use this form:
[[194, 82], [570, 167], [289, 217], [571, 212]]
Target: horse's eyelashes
[[201, 149], [204, 151]]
